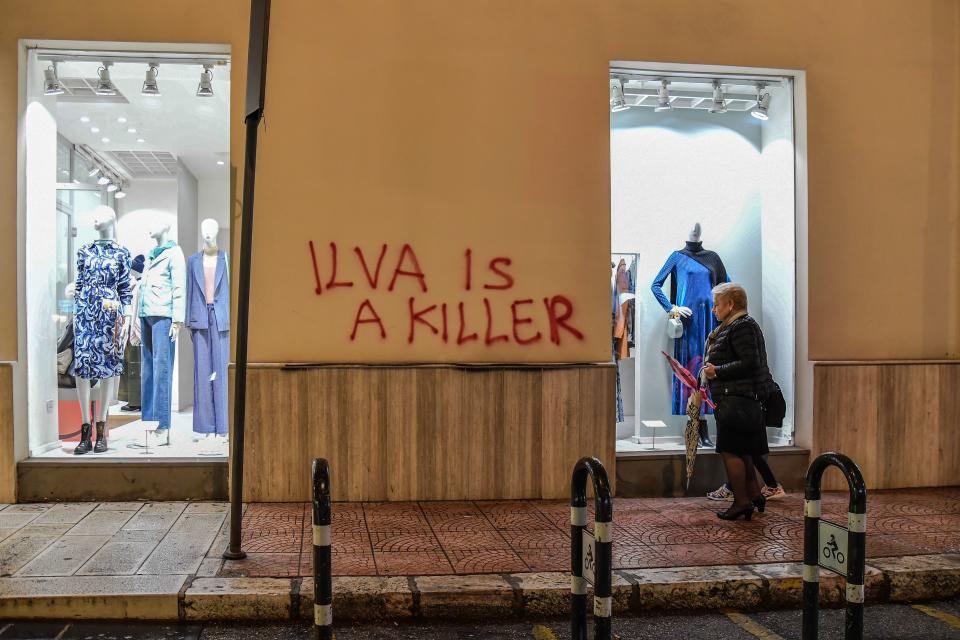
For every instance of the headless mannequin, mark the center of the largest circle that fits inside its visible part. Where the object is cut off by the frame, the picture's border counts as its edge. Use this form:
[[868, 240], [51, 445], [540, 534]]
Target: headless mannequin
[[105, 223], [160, 233], [209, 229]]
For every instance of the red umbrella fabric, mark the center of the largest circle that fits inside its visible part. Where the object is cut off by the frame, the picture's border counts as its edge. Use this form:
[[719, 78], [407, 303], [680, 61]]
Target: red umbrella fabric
[[686, 379]]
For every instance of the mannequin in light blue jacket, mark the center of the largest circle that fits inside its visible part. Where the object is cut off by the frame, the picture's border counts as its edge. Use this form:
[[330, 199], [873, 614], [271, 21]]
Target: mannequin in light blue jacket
[[161, 312]]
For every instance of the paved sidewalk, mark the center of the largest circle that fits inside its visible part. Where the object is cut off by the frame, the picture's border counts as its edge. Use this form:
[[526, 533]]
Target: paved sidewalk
[[437, 538], [434, 560]]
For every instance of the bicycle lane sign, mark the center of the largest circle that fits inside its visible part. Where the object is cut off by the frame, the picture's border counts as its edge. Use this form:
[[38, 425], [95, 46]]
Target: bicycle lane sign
[[832, 546]]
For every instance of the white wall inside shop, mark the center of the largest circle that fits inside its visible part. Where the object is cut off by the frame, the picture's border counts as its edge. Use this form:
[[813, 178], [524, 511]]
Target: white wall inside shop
[[779, 247], [146, 201], [669, 171], [214, 202], [40, 201], [187, 237]]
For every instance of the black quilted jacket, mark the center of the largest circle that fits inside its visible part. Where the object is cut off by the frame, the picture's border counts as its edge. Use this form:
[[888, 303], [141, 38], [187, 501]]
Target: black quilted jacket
[[739, 353]]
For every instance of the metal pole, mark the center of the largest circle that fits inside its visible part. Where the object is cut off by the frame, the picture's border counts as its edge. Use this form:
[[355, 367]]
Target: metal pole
[[256, 87], [322, 568], [578, 524], [811, 563]]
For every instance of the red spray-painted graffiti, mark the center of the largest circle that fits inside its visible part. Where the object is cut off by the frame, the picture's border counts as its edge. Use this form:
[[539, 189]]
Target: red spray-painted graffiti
[[500, 319]]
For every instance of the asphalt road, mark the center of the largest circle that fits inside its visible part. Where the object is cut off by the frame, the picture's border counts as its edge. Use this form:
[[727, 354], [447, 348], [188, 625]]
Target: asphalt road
[[929, 621]]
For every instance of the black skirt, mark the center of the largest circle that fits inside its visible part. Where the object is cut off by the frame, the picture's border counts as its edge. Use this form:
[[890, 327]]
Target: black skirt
[[740, 427]]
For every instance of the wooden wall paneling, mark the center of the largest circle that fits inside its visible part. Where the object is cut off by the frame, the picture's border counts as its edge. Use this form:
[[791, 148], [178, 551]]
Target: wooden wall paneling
[[948, 424], [520, 439], [8, 466], [274, 416], [561, 415], [481, 458], [326, 434], [598, 393], [907, 425], [440, 425], [846, 409], [362, 424], [403, 438]]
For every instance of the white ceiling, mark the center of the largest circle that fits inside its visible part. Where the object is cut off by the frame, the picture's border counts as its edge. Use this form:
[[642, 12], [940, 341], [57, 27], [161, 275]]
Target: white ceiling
[[196, 130]]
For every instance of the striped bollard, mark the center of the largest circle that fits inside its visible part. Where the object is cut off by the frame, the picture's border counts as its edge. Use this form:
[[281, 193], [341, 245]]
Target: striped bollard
[[840, 550], [322, 568], [591, 556]]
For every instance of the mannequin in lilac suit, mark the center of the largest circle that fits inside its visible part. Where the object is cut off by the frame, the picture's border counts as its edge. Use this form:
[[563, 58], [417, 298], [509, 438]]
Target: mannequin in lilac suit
[[208, 318]]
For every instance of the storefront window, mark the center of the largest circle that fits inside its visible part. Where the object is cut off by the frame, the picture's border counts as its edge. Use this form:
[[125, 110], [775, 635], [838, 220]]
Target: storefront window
[[702, 193], [135, 251]]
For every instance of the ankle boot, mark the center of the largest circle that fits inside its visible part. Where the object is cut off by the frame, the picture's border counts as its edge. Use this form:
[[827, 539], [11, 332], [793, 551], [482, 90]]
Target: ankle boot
[[85, 444], [705, 435], [101, 445]]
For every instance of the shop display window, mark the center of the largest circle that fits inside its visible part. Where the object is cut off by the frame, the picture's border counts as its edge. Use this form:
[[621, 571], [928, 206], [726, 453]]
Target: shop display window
[[702, 192], [127, 216]]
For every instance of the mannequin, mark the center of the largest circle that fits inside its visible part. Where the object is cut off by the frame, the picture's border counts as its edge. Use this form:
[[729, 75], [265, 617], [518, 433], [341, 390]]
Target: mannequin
[[693, 273], [101, 293], [208, 318], [161, 315]]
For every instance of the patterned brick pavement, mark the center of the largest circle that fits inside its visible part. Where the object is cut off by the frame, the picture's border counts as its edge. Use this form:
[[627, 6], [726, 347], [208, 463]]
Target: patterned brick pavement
[[437, 538]]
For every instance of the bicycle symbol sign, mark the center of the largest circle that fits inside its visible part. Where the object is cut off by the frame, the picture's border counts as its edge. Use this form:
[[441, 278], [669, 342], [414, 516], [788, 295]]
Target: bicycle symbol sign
[[833, 547], [589, 557]]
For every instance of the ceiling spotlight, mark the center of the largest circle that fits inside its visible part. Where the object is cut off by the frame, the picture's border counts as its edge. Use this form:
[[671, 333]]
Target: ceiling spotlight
[[663, 102], [719, 105], [617, 101], [122, 120], [94, 129], [131, 130], [84, 119], [120, 194], [104, 86], [150, 87], [112, 187], [103, 180], [104, 140], [140, 140], [763, 105], [51, 83], [220, 163], [205, 88], [93, 172]]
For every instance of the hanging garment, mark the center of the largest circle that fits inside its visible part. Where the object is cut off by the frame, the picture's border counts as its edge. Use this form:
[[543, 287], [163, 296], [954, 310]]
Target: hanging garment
[[693, 272], [623, 285], [156, 369], [208, 309], [103, 273]]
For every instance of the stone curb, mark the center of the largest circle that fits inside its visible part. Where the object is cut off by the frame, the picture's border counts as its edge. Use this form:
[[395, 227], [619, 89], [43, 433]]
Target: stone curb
[[188, 598]]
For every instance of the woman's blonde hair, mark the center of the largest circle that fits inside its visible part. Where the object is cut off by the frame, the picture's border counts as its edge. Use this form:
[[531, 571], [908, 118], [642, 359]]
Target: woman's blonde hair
[[734, 293]]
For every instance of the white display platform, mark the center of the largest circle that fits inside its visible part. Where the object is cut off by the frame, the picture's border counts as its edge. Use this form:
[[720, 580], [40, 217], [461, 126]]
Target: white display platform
[[126, 442]]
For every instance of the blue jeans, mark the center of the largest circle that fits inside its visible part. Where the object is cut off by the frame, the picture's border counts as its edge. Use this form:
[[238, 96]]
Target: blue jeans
[[156, 369]]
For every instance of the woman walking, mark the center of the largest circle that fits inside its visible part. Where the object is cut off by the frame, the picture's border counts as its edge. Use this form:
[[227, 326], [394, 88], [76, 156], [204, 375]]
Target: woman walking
[[736, 370]]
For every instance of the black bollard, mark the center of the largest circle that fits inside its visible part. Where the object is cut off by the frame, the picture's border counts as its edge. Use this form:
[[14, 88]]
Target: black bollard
[[815, 553], [322, 568], [599, 552]]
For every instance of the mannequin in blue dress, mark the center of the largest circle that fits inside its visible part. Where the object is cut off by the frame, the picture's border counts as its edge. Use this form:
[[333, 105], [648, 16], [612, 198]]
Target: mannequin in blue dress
[[101, 292], [693, 273]]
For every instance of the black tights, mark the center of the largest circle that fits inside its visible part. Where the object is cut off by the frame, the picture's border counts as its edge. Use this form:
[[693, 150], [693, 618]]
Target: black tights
[[763, 468], [742, 477]]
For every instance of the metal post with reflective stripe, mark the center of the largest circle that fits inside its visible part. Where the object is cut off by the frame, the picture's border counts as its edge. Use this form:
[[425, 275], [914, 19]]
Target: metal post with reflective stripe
[[855, 551], [322, 568], [602, 545]]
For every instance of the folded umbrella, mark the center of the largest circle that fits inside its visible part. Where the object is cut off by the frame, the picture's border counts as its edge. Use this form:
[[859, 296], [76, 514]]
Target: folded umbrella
[[687, 379], [698, 396]]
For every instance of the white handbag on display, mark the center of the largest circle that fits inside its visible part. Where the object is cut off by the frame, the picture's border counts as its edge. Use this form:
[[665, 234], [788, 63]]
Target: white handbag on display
[[674, 328]]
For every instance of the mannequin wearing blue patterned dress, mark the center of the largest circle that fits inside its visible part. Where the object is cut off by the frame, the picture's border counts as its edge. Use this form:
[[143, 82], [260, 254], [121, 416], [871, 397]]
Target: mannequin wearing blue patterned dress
[[101, 293], [693, 272]]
